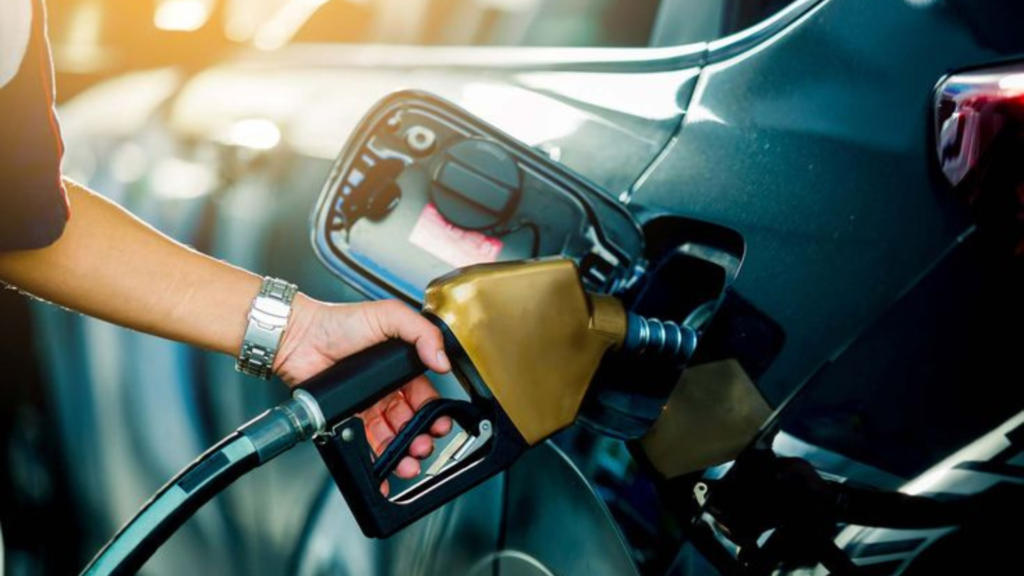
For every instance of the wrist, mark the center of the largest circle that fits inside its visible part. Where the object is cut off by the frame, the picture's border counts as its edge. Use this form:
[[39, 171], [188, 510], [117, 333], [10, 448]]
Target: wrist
[[304, 311], [269, 316]]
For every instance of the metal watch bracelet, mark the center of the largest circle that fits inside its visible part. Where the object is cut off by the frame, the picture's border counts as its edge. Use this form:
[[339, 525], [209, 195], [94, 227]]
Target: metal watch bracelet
[[268, 317]]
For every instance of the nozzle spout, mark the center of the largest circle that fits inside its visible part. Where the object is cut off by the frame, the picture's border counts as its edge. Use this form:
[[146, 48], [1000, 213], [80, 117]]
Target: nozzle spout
[[659, 338]]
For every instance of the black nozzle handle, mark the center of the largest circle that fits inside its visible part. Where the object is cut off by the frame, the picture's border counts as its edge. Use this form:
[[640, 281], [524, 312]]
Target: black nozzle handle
[[359, 381]]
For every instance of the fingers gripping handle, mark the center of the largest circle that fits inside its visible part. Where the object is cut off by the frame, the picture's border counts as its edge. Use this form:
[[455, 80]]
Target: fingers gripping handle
[[465, 414], [360, 380]]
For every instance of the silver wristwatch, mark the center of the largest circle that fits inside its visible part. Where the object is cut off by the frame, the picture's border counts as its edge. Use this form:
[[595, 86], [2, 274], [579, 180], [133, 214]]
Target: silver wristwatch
[[267, 320]]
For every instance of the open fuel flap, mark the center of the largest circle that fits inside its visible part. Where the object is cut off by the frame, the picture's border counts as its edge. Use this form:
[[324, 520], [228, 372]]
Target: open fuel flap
[[423, 188]]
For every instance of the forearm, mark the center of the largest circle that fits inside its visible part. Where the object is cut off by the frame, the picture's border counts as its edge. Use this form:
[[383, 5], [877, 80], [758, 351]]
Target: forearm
[[111, 265]]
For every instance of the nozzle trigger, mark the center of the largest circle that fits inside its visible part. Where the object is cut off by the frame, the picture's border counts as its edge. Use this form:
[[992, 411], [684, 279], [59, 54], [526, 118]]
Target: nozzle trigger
[[465, 414]]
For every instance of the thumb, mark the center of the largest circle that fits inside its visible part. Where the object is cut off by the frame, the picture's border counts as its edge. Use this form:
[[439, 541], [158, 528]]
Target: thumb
[[396, 320]]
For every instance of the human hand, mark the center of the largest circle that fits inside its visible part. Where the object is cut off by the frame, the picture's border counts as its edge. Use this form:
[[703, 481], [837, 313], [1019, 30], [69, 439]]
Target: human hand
[[319, 335]]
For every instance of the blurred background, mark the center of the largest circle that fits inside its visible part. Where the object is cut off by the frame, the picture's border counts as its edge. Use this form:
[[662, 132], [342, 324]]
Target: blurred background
[[94, 39]]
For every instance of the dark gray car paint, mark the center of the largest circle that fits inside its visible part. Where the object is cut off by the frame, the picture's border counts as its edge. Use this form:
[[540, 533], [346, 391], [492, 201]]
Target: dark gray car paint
[[814, 146], [540, 518]]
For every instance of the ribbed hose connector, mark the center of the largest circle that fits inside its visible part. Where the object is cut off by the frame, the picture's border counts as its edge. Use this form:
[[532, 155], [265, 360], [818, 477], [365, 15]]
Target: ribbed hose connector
[[659, 338]]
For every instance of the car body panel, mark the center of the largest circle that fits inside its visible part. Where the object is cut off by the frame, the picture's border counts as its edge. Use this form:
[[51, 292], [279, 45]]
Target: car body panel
[[515, 523], [814, 147]]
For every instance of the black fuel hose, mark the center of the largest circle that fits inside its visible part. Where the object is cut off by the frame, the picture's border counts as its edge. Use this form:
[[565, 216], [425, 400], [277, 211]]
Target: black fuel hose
[[252, 445], [319, 403]]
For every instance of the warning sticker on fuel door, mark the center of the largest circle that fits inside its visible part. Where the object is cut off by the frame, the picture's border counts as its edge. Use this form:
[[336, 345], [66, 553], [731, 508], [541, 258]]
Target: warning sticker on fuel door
[[450, 243]]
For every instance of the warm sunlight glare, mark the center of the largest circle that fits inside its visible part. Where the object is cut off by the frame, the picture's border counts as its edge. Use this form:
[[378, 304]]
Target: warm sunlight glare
[[181, 15]]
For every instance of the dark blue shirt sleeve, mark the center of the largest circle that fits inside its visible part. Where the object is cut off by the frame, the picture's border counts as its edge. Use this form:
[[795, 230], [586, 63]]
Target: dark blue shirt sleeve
[[33, 202]]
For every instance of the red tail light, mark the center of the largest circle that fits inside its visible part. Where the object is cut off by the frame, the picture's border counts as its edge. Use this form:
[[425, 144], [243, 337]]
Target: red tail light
[[979, 129]]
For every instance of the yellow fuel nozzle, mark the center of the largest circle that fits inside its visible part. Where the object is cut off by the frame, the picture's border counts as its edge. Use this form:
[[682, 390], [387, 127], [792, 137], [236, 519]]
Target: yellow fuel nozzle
[[526, 340], [533, 333]]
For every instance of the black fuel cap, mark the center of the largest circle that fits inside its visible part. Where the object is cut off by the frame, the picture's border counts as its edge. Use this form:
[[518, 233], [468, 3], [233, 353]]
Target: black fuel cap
[[477, 185]]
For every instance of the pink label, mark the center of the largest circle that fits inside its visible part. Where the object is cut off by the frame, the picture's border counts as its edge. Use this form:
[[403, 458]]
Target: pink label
[[450, 243]]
